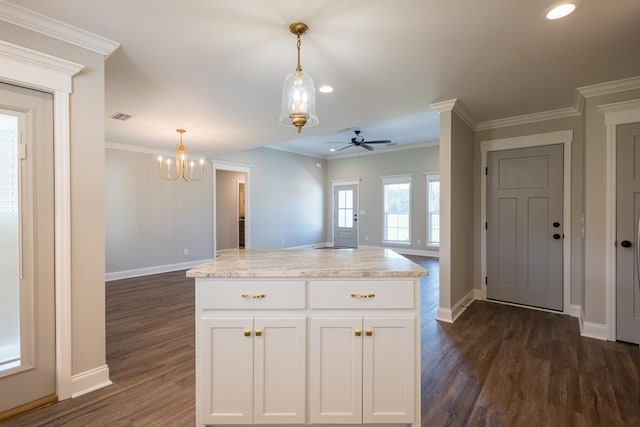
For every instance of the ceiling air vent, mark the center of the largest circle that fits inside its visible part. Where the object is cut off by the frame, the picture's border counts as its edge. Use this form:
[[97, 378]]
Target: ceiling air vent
[[120, 116]]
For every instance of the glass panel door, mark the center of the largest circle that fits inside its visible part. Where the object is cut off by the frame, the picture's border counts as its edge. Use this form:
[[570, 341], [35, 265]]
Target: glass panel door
[[10, 348]]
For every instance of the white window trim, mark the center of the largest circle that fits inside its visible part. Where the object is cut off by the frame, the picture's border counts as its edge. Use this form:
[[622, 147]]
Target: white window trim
[[396, 179], [430, 177]]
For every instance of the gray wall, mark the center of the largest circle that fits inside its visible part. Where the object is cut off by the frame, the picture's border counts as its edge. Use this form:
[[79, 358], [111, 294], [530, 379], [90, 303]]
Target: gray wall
[[369, 168], [227, 208], [87, 194], [287, 194], [461, 231], [149, 220], [577, 190]]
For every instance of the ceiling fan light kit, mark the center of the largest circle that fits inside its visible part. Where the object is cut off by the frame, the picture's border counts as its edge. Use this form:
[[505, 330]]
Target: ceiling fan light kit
[[298, 92]]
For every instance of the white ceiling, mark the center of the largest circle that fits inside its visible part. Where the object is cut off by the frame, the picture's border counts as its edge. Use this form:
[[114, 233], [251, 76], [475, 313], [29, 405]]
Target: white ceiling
[[216, 67]]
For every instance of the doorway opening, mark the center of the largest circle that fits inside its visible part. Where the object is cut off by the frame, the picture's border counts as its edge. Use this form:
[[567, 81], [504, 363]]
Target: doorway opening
[[231, 206]]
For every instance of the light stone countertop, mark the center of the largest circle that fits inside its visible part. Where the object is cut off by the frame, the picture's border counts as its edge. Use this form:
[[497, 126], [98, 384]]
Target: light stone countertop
[[309, 263]]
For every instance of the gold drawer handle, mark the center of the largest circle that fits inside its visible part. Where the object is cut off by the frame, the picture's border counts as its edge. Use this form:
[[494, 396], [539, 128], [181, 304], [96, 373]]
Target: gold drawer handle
[[247, 333], [248, 296], [258, 333], [369, 332], [361, 296], [358, 333]]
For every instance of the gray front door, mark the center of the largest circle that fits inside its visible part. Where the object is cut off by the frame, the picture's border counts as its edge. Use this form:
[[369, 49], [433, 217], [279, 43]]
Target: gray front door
[[628, 211], [345, 216], [524, 226]]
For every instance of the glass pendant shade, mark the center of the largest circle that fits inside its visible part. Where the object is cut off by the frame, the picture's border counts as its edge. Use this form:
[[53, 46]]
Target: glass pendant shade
[[298, 101]]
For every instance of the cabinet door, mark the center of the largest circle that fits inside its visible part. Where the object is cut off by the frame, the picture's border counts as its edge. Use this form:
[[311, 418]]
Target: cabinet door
[[225, 380], [388, 370], [336, 370], [280, 371]]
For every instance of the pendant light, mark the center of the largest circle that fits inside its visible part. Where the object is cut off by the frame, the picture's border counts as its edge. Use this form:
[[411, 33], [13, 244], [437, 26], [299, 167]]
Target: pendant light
[[298, 92]]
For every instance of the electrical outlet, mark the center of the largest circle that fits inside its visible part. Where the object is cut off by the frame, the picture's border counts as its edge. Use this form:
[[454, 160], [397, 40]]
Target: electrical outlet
[[185, 251]]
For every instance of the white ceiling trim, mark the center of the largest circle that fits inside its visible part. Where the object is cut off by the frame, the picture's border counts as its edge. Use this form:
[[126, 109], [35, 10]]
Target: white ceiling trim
[[456, 107], [610, 87], [289, 150], [560, 113], [144, 150], [50, 27]]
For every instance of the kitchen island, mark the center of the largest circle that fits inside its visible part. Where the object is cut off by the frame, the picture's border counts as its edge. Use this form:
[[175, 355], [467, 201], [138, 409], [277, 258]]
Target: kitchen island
[[308, 337]]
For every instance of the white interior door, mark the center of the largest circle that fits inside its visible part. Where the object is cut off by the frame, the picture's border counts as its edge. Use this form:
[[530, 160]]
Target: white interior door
[[345, 216], [27, 311], [628, 239], [524, 226]]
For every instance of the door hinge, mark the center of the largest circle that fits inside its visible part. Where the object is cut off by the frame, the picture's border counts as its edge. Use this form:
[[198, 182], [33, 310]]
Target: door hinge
[[486, 225], [486, 280], [486, 170]]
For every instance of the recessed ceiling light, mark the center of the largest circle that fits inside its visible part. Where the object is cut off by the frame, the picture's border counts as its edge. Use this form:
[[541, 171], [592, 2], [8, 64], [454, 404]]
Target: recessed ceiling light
[[332, 149], [560, 10], [325, 89]]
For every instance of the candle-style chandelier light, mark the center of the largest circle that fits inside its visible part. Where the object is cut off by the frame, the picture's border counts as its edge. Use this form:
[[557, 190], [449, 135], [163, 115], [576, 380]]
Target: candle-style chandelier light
[[184, 168]]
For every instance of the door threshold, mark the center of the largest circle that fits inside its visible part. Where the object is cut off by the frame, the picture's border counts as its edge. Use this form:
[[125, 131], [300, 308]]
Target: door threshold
[[530, 307]]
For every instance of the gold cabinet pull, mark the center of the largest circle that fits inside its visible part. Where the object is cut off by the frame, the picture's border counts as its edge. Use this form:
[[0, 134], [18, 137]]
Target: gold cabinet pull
[[358, 333], [247, 333], [249, 296], [363, 296], [259, 333], [369, 333]]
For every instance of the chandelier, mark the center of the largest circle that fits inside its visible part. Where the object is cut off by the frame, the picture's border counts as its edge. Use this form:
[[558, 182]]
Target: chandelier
[[184, 168], [298, 92]]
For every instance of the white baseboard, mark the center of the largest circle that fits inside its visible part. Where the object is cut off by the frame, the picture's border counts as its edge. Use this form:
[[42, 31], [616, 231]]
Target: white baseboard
[[91, 380], [444, 315], [145, 271], [312, 246], [590, 329], [594, 330], [477, 294], [450, 315]]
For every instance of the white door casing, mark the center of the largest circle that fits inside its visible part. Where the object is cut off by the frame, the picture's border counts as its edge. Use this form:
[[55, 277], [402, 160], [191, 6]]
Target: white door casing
[[341, 182], [550, 138], [615, 114], [36, 70]]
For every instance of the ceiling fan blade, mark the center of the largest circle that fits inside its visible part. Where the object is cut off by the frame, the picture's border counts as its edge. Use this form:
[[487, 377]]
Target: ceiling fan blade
[[363, 145], [343, 148], [382, 141]]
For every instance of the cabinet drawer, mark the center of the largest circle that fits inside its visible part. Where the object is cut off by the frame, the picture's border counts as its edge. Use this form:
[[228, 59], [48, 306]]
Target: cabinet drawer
[[252, 295], [362, 294]]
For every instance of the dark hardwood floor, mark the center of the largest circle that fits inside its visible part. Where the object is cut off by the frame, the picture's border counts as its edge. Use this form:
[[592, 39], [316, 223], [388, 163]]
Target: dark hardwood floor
[[497, 365]]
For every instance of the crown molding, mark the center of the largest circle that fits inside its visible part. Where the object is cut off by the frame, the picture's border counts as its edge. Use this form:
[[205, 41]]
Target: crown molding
[[609, 87], [292, 151], [386, 150], [444, 106], [542, 116], [25, 18], [456, 107]]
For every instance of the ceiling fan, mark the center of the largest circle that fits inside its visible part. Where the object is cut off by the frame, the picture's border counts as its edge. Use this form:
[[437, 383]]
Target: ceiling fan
[[358, 141]]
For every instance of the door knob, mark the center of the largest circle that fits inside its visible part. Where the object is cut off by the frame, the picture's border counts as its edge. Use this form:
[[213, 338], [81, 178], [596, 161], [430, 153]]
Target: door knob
[[556, 236], [556, 224], [625, 244]]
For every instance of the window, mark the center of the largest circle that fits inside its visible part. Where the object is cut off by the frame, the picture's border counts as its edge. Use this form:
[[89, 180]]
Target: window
[[433, 210], [345, 208], [397, 208]]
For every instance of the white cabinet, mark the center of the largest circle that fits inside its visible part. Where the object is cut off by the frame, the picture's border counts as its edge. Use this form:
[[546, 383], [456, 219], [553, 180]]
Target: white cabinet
[[362, 370], [359, 365], [251, 370]]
